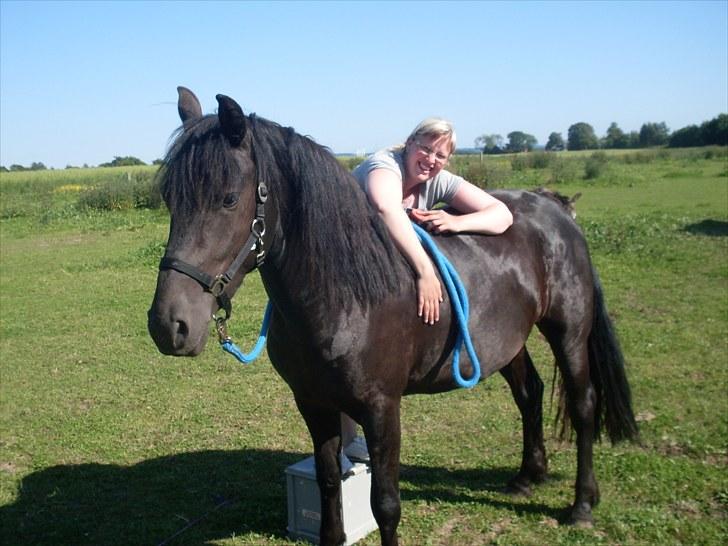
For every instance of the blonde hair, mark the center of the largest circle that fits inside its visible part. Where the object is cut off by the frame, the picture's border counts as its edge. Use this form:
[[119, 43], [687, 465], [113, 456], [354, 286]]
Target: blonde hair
[[435, 127]]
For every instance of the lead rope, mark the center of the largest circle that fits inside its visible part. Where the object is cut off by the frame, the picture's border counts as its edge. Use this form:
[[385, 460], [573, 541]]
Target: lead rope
[[228, 346], [458, 298]]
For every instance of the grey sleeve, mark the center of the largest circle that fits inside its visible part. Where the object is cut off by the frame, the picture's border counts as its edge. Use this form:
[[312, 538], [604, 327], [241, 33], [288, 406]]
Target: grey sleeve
[[443, 188]]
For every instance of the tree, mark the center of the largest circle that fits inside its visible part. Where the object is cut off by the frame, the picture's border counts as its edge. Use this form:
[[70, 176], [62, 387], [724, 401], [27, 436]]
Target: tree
[[715, 131], [519, 141], [654, 134], [491, 144], [126, 161], [710, 132], [555, 143], [633, 139], [37, 166], [581, 137], [615, 137], [686, 137]]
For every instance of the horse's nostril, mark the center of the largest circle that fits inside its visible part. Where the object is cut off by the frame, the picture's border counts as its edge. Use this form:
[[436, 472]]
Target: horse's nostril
[[181, 332]]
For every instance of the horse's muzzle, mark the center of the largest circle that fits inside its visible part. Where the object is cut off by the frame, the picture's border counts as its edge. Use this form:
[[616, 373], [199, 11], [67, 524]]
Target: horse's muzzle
[[173, 336]]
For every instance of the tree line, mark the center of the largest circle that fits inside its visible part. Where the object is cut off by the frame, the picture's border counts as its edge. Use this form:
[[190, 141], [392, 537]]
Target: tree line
[[118, 161], [581, 136]]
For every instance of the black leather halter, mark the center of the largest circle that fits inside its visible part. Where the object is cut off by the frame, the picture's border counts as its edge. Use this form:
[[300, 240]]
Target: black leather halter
[[217, 285]]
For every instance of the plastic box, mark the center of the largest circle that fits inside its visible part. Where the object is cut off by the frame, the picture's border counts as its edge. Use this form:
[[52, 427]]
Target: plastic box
[[304, 502]]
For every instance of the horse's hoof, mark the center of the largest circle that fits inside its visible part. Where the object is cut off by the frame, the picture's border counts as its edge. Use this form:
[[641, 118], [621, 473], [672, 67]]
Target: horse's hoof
[[579, 517], [582, 524]]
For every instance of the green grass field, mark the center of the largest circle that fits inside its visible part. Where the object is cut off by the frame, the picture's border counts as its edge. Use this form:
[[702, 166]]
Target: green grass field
[[105, 441]]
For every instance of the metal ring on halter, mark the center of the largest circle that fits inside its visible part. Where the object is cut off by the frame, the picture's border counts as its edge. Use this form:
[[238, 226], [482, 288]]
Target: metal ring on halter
[[218, 286], [262, 191], [257, 228]]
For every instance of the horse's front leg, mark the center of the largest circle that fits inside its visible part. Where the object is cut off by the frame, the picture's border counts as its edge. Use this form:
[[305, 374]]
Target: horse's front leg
[[382, 431], [325, 428]]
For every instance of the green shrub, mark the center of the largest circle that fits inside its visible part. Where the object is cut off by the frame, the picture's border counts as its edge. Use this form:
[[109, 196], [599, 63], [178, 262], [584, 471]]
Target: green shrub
[[519, 162], [127, 191], [487, 174], [594, 166], [564, 170], [641, 157], [531, 160]]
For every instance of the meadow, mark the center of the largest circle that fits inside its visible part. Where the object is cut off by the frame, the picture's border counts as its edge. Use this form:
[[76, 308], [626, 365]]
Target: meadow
[[103, 441]]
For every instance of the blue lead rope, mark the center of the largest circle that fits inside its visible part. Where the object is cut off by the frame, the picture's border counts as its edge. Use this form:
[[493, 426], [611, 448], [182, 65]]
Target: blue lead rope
[[230, 347], [458, 297], [459, 300]]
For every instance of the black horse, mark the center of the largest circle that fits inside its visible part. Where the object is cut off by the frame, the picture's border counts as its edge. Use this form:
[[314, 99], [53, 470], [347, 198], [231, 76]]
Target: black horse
[[244, 192]]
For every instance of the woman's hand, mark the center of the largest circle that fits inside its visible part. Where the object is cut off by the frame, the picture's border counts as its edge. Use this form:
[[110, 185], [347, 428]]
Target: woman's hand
[[429, 296], [436, 221]]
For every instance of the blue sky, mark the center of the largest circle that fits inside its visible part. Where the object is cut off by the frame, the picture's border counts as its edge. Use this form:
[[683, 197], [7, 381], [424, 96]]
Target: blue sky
[[82, 82]]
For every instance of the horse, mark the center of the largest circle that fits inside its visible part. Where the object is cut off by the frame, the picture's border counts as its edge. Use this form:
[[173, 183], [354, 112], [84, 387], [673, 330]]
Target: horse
[[244, 192]]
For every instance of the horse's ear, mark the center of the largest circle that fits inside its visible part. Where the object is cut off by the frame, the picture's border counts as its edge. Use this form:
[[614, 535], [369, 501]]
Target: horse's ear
[[232, 119], [188, 106]]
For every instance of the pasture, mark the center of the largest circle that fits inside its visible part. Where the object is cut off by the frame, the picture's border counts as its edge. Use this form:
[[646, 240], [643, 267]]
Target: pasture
[[105, 441]]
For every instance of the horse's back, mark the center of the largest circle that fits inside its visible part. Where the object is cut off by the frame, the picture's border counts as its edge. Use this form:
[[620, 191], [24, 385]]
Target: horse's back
[[513, 280]]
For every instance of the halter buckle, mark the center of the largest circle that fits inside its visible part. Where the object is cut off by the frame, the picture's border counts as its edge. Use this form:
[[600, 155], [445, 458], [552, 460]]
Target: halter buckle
[[219, 284]]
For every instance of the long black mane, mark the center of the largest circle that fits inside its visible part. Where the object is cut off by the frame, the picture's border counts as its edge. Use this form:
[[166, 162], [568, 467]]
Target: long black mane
[[335, 242]]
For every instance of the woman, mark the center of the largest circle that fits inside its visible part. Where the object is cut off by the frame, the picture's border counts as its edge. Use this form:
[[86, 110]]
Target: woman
[[412, 178], [404, 183]]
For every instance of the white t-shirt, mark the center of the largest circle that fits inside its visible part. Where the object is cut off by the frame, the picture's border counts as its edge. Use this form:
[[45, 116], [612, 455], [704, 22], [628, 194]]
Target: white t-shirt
[[440, 188]]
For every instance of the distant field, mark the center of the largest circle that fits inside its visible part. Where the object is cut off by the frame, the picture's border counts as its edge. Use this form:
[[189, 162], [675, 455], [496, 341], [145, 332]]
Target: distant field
[[105, 441]]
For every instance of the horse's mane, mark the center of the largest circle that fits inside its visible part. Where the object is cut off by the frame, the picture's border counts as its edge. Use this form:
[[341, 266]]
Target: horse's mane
[[336, 246], [197, 166]]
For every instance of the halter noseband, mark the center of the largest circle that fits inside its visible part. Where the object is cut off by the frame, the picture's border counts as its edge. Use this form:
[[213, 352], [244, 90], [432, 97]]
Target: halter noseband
[[217, 285]]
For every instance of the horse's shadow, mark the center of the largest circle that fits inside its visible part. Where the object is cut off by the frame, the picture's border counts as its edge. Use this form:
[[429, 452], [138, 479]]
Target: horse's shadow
[[194, 498], [709, 227]]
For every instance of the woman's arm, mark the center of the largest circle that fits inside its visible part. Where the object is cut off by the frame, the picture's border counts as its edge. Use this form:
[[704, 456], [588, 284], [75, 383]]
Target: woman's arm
[[481, 213], [385, 193]]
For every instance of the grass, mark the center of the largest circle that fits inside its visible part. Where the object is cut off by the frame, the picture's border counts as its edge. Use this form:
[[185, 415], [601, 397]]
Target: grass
[[105, 441]]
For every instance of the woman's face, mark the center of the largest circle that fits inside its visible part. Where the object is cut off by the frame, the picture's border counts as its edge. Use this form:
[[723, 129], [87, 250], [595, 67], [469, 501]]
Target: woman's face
[[425, 156]]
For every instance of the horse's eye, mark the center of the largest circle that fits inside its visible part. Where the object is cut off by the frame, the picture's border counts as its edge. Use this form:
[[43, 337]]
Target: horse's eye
[[230, 200]]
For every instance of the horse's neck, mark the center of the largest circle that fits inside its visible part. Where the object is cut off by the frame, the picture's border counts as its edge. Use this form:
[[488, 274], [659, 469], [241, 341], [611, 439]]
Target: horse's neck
[[306, 320]]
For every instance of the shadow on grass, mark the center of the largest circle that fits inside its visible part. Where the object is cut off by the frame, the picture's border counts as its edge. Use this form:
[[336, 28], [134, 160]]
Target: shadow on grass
[[217, 494], [713, 228], [467, 486]]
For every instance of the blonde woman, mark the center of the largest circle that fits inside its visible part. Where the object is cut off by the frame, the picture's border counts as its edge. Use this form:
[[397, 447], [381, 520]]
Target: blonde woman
[[411, 178]]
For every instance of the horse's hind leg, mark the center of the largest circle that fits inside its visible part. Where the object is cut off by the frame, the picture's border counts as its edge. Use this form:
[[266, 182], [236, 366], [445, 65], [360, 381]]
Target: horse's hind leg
[[325, 428], [572, 358], [527, 389]]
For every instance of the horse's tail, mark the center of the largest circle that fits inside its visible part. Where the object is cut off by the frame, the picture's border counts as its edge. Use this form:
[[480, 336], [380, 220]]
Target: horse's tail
[[607, 372]]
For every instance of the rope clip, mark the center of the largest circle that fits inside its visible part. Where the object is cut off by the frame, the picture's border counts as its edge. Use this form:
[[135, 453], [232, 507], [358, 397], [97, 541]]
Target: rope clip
[[221, 328]]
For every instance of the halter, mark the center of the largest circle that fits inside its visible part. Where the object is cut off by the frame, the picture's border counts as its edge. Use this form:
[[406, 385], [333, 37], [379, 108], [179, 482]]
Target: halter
[[217, 285]]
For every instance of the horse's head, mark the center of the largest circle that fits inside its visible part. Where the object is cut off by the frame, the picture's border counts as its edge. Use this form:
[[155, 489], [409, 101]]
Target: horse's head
[[217, 228]]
